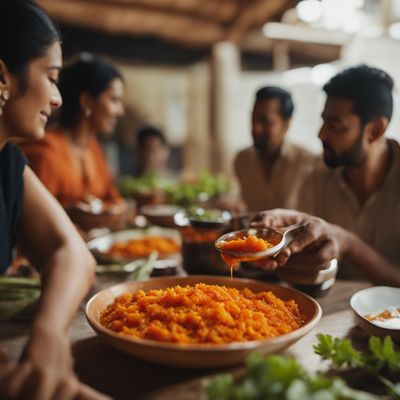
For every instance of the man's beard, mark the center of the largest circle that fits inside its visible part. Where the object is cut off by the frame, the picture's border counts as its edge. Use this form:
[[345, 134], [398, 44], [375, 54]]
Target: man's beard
[[264, 147], [350, 158]]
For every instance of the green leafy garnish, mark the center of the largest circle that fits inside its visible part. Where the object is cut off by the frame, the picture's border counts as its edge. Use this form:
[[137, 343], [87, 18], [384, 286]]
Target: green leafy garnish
[[280, 378], [339, 351], [381, 360], [130, 186], [283, 378], [145, 270], [181, 193], [18, 297]]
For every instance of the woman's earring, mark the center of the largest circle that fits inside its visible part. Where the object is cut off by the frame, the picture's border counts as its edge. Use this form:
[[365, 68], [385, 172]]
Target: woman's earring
[[4, 96], [88, 112], [55, 101]]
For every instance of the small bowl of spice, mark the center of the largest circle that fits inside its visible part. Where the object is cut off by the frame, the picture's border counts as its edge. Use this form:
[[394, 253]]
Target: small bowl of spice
[[377, 310]]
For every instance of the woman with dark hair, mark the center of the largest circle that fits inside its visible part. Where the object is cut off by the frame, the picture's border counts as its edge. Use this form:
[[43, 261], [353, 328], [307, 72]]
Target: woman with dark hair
[[30, 61], [92, 90]]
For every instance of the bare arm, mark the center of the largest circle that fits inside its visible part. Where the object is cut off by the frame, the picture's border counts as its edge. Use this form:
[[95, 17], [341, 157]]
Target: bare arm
[[51, 242], [376, 268], [321, 241]]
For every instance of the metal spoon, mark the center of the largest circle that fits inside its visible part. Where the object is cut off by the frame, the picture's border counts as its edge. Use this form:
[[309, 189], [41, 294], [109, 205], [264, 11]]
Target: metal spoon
[[277, 237]]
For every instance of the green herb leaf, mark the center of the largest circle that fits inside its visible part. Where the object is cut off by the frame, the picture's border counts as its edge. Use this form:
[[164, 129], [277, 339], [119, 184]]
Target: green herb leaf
[[144, 271], [382, 357], [383, 354], [339, 351], [280, 378]]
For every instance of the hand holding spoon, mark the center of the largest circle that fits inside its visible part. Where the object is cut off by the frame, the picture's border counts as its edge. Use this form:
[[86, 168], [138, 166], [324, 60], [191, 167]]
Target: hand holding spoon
[[275, 238]]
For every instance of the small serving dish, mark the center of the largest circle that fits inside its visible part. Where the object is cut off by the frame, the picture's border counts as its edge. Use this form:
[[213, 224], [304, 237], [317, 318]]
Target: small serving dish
[[209, 218], [160, 214], [96, 215], [100, 246], [377, 310], [203, 218]]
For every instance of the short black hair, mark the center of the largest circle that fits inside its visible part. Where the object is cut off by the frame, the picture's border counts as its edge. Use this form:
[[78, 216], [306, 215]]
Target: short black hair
[[274, 92], [26, 32], [369, 88], [149, 131], [85, 74]]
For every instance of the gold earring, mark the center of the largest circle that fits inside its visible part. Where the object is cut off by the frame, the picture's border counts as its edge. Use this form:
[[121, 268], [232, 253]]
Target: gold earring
[[88, 112], [4, 96]]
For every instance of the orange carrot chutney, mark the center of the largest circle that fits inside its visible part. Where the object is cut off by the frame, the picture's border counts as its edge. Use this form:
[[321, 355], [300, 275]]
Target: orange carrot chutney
[[201, 314], [248, 244], [143, 247]]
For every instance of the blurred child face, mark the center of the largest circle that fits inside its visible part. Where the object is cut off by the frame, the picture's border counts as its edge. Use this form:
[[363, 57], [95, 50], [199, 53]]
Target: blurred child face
[[108, 108], [155, 154], [33, 96], [268, 126]]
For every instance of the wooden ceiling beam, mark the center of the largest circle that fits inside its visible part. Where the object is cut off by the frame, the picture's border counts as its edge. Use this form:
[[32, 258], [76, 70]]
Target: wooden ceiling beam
[[180, 29], [191, 23], [211, 10], [254, 14]]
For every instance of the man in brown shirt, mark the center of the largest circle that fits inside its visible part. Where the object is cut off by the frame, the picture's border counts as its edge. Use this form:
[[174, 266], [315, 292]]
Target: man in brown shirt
[[360, 189], [271, 171]]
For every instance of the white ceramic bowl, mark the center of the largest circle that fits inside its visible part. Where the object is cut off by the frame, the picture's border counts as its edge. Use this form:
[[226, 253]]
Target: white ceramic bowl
[[202, 355], [374, 300]]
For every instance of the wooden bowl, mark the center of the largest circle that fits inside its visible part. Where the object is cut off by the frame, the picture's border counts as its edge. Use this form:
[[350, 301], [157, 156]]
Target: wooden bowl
[[112, 220], [160, 214], [151, 197], [202, 355]]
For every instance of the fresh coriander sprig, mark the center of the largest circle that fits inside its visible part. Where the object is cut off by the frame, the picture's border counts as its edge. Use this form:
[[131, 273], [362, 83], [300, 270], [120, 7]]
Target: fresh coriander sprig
[[380, 360], [280, 378]]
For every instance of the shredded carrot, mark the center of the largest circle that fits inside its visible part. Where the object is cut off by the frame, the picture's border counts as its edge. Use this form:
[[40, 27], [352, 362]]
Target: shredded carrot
[[201, 314], [249, 244], [143, 247], [384, 315]]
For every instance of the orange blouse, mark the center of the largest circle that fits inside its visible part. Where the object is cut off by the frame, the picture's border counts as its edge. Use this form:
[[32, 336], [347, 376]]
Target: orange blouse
[[70, 178]]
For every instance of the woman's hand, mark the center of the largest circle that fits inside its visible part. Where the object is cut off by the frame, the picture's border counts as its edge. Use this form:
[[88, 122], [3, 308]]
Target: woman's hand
[[312, 247], [45, 372]]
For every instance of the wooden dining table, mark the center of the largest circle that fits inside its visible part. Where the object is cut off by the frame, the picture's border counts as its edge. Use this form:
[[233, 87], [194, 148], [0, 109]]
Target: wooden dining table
[[122, 376]]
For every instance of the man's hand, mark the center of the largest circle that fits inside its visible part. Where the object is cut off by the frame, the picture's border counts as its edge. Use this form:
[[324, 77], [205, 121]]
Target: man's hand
[[312, 247]]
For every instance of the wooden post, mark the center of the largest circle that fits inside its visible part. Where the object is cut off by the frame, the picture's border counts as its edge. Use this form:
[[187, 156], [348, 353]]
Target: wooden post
[[225, 70], [197, 144], [281, 57], [386, 13]]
